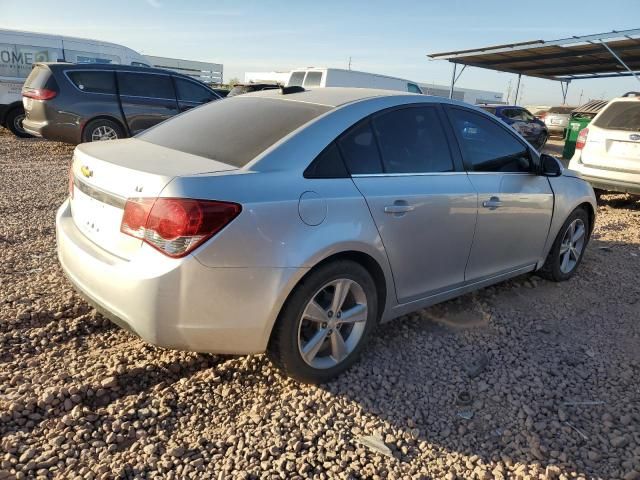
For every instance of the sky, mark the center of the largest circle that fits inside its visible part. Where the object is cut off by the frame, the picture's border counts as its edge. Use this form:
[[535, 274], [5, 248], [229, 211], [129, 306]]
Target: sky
[[387, 37]]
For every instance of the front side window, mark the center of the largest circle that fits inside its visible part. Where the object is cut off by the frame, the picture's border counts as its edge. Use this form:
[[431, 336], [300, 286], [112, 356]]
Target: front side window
[[412, 140], [296, 79], [486, 146], [192, 92], [360, 151], [94, 82], [313, 79], [145, 85]]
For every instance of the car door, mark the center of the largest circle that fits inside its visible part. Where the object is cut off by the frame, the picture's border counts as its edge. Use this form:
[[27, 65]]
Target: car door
[[515, 204], [423, 204], [191, 94], [146, 99]]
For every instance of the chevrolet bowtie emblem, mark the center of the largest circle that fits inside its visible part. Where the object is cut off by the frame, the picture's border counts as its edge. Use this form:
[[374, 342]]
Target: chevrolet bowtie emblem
[[86, 171]]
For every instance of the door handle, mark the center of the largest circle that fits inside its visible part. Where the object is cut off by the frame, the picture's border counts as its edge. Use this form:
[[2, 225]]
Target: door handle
[[492, 203], [398, 208]]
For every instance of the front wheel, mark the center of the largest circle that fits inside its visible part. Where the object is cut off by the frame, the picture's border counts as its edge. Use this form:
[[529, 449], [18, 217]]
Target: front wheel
[[568, 248], [325, 322]]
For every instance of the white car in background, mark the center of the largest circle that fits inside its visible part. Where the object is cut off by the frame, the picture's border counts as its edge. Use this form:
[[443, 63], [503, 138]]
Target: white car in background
[[608, 150]]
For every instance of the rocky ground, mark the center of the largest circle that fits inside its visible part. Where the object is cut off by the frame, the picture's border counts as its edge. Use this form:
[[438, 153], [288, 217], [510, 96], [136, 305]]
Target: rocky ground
[[528, 379]]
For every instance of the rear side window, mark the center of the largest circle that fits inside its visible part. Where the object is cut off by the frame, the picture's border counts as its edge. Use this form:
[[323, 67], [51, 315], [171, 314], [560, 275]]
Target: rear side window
[[296, 79], [360, 150], [486, 146], [38, 77], [192, 92], [234, 131], [620, 116], [145, 85], [328, 164], [94, 82], [313, 79], [412, 140]]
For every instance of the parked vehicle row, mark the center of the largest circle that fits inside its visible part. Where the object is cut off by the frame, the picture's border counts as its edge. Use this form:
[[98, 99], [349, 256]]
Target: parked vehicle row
[[607, 151], [522, 121], [84, 103], [20, 50], [343, 208], [338, 77]]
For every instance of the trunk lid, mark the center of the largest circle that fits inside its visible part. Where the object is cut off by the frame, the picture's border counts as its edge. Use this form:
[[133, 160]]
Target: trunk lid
[[107, 173]]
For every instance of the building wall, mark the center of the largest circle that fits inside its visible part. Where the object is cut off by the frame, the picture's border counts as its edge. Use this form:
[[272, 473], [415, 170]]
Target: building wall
[[203, 71]]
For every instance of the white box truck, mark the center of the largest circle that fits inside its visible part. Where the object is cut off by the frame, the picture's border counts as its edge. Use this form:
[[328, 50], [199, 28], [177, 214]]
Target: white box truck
[[337, 77], [19, 50]]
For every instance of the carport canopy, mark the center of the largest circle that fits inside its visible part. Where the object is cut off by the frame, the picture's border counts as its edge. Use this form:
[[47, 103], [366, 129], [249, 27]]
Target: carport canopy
[[603, 55]]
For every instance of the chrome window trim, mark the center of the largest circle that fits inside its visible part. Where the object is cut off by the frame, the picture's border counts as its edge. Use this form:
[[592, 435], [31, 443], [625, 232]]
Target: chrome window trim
[[418, 174]]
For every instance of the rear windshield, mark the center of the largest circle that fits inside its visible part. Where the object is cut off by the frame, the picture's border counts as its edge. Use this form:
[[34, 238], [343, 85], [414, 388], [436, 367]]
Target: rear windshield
[[235, 130], [620, 116], [489, 109], [38, 77], [561, 110]]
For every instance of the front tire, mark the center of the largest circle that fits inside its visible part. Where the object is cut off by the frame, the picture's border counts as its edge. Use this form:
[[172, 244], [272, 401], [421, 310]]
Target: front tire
[[568, 248], [102, 129], [325, 322], [14, 120]]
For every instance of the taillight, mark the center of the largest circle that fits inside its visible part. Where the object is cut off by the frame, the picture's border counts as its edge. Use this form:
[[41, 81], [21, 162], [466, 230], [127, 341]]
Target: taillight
[[40, 93], [176, 226], [582, 138], [71, 185]]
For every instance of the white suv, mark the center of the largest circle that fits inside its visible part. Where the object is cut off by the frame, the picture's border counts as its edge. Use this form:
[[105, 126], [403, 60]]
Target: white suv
[[608, 151]]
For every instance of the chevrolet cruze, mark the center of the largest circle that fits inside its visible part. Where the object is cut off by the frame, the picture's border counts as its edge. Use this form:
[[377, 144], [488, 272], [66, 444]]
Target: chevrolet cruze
[[292, 222]]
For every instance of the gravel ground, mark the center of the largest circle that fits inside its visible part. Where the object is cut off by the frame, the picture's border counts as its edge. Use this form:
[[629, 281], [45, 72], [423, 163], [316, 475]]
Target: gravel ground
[[550, 371]]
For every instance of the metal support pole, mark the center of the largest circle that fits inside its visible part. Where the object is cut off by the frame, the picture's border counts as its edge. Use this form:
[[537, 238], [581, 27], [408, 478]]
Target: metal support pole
[[517, 89], [604, 44], [564, 85], [453, 81]]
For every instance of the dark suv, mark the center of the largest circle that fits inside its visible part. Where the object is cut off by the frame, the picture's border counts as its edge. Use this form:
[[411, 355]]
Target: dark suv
[[522, 121], [83, 103]]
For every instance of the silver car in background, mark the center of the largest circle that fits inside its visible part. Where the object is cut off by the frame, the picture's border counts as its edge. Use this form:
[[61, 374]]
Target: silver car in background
[[294, 221], [557, 119]]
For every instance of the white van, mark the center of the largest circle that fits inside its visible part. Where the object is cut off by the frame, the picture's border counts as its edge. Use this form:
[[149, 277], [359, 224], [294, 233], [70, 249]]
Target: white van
[[337, 77], [19, 50]]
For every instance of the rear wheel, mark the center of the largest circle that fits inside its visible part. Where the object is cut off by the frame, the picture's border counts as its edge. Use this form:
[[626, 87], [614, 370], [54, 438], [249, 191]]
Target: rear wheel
[[568, 248], [325, 322], [14, 120], [102, 129]]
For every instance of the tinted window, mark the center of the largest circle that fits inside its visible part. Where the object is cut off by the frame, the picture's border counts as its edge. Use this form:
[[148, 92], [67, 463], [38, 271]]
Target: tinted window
[[94, 82], [413, 88], [145, 85], [412, 140], [296, 79], [491, 110], [234, 131], [192, 92], [620, 116], [360, 151], [328, 164], [313, 79], [486, 146]]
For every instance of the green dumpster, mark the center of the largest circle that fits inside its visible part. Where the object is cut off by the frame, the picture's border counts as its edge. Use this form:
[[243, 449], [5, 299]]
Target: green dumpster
[[580, 118]]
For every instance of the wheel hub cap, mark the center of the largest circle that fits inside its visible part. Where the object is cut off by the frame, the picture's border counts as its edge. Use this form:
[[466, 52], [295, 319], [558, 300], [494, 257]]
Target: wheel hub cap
[[573, 242]]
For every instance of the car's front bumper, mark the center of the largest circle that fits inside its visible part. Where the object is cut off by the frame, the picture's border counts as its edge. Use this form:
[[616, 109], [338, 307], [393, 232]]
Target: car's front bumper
[[176, 303]]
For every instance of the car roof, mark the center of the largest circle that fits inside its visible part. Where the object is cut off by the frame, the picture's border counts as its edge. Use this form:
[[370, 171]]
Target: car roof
[[498, 105], [107, 66], [329, 96]]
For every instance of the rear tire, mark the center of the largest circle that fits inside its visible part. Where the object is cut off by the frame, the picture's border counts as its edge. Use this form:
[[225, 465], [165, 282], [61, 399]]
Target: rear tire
[[13, 120], [568, 248], [312, 344], [102, 129]]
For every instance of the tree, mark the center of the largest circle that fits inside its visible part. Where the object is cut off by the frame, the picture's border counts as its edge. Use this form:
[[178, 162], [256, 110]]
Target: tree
[[233, 82]]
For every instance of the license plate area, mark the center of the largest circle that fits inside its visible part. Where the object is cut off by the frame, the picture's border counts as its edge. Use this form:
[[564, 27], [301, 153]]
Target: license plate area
[[625, 149]]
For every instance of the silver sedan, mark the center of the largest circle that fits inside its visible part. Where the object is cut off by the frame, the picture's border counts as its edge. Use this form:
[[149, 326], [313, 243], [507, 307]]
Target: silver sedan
[[292, 222]]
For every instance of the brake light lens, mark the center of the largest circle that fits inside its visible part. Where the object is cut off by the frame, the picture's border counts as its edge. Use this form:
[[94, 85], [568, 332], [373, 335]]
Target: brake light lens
[[176, 226], [40, 93], [582, 138]]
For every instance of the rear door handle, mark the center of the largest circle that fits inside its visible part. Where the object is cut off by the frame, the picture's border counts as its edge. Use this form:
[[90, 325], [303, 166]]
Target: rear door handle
[[492, 203], [398, 208]]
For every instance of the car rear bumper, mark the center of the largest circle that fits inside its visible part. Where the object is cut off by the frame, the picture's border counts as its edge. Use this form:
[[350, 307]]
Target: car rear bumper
[[612, 180], [68, 132], [176, 303]]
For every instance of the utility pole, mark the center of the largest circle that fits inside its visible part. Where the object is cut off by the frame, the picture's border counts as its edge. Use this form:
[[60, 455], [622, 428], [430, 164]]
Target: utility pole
[[508, 91], [580, 101], [349, 63]]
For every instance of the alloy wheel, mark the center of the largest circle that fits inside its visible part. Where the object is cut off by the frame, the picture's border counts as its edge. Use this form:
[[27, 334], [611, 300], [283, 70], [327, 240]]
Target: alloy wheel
[[573, 242], [103, 133], [332, 323]]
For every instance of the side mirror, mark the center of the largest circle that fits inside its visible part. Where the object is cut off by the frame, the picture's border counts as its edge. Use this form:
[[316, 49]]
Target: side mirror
[[550, 166]]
